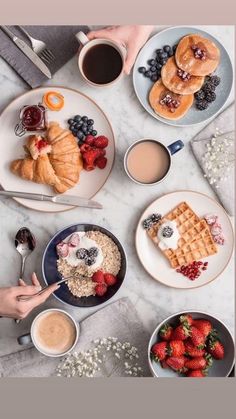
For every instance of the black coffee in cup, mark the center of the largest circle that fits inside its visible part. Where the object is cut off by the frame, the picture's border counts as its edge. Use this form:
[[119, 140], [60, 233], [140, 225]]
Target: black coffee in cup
[[102, 64]]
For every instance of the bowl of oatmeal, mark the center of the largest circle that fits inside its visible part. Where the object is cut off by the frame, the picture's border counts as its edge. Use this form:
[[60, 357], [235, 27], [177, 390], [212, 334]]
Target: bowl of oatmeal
[[92, 257]]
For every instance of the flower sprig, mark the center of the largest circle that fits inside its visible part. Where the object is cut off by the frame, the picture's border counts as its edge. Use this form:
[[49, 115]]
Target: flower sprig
[[89, 363], [218, 159]]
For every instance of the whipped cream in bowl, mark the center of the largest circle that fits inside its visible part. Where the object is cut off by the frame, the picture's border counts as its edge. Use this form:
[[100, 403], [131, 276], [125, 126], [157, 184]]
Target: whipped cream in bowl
[[168, 235]]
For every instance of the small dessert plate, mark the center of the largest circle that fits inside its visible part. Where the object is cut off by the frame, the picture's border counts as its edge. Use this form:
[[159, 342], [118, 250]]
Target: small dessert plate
[[156, 264], [172, 36]]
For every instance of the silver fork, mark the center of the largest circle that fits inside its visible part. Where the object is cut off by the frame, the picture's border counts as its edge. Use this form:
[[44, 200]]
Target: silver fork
[[39, 47]]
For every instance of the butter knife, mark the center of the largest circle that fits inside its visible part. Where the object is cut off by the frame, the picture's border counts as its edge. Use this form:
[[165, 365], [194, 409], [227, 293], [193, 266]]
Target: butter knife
[[27, 51], [57, 199]]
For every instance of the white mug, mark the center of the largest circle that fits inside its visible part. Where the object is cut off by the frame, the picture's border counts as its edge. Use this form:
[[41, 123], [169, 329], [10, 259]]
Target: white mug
[[87, 44], [31, 338]]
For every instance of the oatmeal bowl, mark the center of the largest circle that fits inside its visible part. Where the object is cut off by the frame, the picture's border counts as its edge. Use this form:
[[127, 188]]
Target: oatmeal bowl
[[91, 257]]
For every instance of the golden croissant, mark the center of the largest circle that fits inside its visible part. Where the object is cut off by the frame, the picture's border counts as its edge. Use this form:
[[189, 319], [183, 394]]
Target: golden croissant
[[55, 161]]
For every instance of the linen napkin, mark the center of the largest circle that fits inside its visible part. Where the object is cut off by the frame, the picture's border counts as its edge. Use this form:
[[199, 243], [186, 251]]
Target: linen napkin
[[119, 319], [223, 129], [59, 39]]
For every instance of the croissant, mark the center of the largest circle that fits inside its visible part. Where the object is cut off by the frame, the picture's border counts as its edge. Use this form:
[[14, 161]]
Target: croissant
[[55, 160]]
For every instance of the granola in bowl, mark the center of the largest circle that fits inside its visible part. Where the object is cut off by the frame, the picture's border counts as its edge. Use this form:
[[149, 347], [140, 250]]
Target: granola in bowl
[[81, 255]]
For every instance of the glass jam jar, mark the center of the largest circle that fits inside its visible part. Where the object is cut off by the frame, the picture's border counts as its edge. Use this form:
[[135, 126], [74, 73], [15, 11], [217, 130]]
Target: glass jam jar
[[32, 118]]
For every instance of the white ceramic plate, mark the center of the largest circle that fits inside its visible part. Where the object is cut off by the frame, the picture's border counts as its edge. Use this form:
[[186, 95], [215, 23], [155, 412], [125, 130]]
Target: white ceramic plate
[[155, 263], [11, 146], [172, 36]]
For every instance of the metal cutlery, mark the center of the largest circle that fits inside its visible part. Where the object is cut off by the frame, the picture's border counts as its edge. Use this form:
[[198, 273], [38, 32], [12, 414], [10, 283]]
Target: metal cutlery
[[28, 297], [39, 47], [25, 244], [36, 60], [57, 199]]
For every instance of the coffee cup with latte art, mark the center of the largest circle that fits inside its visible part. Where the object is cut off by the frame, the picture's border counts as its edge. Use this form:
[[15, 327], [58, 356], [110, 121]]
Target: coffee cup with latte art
[[53, 332]]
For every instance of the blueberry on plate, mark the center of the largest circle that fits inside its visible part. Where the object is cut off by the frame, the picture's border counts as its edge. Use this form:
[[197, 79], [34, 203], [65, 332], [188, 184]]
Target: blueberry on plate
[[141, 70], [90, 122], [153, 69], [70, 121], [90, 128], [77, 118], [167, 48], [80, 135], [159, 50], [94, 133], [151, 62], [148, 74], [154, 77], [84, 118], [170, 52], [159, 66]]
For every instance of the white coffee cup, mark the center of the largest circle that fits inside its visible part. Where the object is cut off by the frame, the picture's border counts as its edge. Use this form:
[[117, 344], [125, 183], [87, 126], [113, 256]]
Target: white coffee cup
[[87, 44], [33, 338]]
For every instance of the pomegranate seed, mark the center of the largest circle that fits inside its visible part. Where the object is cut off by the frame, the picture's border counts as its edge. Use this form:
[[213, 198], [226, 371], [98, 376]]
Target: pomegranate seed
[[206, 264]]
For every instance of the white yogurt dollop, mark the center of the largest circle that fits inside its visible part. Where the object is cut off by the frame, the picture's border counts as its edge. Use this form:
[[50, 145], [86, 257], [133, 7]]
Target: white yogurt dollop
[[168, 242], [84, 243]]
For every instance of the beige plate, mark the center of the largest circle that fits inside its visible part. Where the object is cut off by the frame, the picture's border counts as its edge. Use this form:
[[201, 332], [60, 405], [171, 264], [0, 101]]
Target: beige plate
[[154, 261], [11, 146]]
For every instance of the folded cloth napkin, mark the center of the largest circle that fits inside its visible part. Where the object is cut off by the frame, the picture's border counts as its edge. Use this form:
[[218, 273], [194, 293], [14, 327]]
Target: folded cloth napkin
[[213, 148], [59, 39], [119, 320]]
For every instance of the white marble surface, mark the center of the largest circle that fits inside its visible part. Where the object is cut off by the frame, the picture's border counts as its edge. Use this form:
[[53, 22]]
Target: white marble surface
[[123, 203]]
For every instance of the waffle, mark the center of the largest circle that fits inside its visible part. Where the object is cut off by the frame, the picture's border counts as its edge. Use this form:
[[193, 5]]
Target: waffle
[[195, 240]]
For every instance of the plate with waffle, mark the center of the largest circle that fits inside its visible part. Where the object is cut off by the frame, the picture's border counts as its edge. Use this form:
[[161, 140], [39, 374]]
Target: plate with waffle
[[184, 239]]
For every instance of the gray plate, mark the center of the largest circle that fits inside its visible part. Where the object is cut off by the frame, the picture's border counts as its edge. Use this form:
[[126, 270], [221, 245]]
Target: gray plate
[[220, 368], [143, 85]]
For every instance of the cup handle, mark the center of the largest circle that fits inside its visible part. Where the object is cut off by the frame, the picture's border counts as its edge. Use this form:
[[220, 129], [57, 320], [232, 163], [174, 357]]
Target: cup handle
[[175, 147], [24, 339], [82, 38]]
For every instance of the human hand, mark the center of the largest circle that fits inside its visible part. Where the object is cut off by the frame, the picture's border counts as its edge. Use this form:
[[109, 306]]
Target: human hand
[[11, 307], [132, 37]]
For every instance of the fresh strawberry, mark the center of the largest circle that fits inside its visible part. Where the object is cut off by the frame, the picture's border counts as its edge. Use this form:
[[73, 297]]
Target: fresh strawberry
[[198, 363], [196, 374], [84, 148], [101, 141], [101, 162], [110, 279], [197, 338], [181, 332], [177, 363], [216, 349], [191, 350], [89, 140], [186, 319], [164, 364], [98, 277], [176, 348], [204, 326], [89, 158], [166, 332], [159, 351], [101, 289]]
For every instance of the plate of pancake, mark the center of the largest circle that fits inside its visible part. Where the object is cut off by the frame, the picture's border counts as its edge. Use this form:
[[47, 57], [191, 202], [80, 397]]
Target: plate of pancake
[[193, 81]]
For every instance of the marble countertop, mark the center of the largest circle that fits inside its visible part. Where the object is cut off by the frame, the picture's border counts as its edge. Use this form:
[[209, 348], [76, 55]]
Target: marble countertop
[[123, 203]]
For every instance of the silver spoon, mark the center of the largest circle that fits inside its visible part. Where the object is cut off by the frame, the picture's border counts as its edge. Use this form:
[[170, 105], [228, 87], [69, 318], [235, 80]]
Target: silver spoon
[[25, 244], [28, 297]]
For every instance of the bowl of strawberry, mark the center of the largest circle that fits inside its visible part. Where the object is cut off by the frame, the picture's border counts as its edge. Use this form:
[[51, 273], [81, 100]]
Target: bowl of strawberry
[[191, 344]]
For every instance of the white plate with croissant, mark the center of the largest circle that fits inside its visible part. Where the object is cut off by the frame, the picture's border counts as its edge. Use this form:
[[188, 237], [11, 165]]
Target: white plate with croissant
[[58, 167]]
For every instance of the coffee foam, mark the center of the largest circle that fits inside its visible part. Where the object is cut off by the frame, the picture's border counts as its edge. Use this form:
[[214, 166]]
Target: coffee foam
[[54, 333]]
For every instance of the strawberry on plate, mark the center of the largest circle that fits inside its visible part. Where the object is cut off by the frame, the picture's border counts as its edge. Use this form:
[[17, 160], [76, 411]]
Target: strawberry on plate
[[166, 332], [203, 325], [186, 319], [197, 337], [191, 350], [182, 332], [216, 349], [176, 363], [159, 351], [196, 374], [176, 348]]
